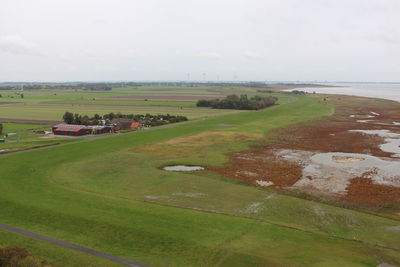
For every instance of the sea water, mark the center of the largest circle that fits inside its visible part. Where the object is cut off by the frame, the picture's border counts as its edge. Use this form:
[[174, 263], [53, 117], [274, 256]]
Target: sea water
[[389, 91]]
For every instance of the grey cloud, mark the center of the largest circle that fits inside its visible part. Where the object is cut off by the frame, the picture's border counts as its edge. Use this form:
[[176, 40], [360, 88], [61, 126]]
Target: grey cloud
[[166, 39]]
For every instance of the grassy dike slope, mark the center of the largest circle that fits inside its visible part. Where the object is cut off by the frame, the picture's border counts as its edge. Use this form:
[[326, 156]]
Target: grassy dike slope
[[157, 234]]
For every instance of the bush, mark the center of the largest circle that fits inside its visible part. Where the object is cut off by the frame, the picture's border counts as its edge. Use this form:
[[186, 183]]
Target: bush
[[239, 102]]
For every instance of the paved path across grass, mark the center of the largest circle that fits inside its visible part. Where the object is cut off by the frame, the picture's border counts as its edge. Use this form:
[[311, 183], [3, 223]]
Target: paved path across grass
[[72, 246]]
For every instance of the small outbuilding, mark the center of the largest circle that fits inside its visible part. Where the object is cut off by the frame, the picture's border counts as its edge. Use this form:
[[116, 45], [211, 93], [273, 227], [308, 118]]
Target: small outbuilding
[[99, 129], [126, 124]]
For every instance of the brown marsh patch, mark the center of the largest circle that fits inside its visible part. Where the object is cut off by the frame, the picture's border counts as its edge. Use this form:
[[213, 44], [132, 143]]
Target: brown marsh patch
[[334, 133]]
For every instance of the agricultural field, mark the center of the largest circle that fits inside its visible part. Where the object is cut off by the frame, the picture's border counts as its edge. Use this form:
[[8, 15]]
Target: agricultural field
[[113, 195], [23, 136], [48, 104]]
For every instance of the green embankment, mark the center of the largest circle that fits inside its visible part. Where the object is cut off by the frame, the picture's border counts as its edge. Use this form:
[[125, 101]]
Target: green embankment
[[42, 192]]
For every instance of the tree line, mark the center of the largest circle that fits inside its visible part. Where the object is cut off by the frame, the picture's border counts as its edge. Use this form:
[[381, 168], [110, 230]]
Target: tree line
[[296, 92], [145, 119], [239, 102]]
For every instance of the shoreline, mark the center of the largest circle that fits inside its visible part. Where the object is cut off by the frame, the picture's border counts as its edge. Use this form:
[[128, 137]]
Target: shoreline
[[378, 91]]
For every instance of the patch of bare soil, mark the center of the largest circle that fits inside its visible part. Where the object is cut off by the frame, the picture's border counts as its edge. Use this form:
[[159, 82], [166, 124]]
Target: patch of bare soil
[[344, 159], [263, 165]]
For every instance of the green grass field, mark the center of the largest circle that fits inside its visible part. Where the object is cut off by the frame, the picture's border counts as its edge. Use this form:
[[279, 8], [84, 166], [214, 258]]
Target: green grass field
[[21, 127], [26, 138], [51, 104], [110, 195], [56, 111]]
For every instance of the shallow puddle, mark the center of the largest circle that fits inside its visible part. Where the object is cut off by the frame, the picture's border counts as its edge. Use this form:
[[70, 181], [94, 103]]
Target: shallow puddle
[[392, 140], [333, 171], [183, 168]]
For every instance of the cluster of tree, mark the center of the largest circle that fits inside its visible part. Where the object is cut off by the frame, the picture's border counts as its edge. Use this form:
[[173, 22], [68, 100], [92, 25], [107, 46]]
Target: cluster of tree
[[256, 84], [146, 119], [16, 256], [98, 88], [239, 102], [297, 92], [265, 91], [1, 128], [25, 86], [82, 86], [8, 87]]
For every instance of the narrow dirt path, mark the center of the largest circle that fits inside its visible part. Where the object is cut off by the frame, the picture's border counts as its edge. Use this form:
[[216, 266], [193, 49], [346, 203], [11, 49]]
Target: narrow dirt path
[[74, 247]]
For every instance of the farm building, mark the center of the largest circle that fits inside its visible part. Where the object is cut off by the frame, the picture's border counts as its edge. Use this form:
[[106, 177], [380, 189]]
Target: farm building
[[79, 130], [126, 124], [69, 129], [99, 129]]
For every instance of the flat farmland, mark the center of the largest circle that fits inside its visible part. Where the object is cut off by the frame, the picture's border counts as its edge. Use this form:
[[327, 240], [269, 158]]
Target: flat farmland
[[18, 127], [169, 94], [47, 104], [56, 111], [166, 97]]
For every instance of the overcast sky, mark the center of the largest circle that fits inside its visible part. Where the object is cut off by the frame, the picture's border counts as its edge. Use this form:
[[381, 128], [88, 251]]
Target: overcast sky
[[98, 40]]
